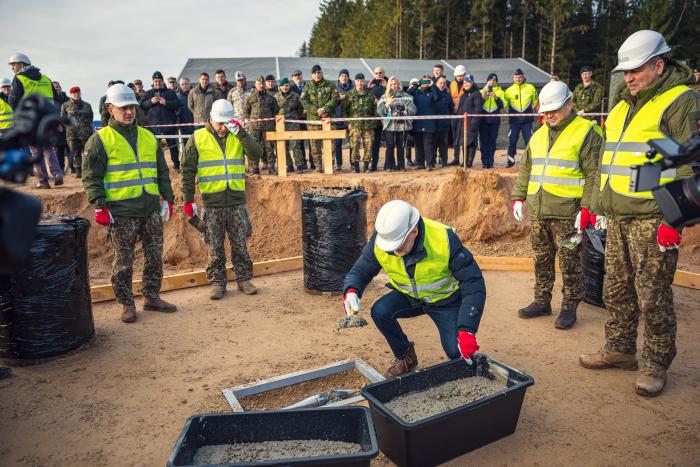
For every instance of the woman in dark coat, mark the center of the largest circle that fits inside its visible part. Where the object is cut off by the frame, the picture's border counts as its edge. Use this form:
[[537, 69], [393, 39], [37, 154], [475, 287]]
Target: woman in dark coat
[[425, 97], [471, 103], [442, 127]]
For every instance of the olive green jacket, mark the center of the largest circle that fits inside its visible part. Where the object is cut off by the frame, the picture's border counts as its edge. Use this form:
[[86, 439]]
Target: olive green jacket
[[588, 99], [673, 123], [225, 198], [321, 95], [358, 104], [544, 205], [95, 168]]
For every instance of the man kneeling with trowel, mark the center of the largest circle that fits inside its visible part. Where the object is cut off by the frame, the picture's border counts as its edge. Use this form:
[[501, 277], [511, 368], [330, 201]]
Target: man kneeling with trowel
[[430, 273]]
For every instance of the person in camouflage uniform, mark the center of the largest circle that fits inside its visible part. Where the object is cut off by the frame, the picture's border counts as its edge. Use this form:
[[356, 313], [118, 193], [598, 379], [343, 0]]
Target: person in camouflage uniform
[[78, 134], [557, 190], [641, 248], [588, 96], [360, 103], [290, 107], [225, 211], [238, 96], [319, 98], [261, 104], [127, 217]]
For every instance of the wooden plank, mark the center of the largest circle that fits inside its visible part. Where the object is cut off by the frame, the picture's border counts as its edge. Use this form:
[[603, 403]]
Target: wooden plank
[[102, 293], [687, 279], [305, 134], [505, 263], [281, 148], [327, 151]]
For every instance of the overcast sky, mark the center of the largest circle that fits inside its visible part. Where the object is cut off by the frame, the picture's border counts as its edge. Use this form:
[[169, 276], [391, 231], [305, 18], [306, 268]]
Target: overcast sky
[[87, 43]]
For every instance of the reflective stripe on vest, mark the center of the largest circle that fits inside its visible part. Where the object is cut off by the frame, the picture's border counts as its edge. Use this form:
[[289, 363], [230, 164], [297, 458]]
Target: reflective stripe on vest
[[490, 104], [456, 91], [520, 97], [626, 146], [558, 169], [215, 169], [432, 280], [129, 174], [6, 120], [40, 86]]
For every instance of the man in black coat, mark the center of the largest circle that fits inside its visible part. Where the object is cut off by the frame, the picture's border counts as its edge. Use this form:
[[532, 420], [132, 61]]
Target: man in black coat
[[470, 102], [161, 106]]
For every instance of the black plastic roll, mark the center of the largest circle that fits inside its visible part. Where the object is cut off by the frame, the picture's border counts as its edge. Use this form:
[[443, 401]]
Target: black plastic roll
[[593, 264], [45, 308], [334, 230]]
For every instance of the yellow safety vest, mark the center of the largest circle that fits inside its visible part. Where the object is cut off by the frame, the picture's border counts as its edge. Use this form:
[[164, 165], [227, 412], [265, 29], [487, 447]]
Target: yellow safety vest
[[40, 86], [558, 169], [129, 174], [490, 104], [520, 96], [626, 146], [432, 280], [5, 115], [215, 169]]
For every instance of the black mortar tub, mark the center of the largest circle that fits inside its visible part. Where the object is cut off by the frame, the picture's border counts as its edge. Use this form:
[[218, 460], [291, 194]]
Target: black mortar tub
[[349, 424], [450, 434]]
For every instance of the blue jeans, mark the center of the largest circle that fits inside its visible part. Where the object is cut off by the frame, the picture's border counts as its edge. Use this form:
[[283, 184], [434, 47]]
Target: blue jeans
[[515, 130], [387, 310]]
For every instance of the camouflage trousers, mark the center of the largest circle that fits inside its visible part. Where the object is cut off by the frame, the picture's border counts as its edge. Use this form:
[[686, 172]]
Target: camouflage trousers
[[546, 236], [234, 222], [638, 281], [75, 153], [124, 233], [268, 155], [316, 146], [296, 150], [361, 138]]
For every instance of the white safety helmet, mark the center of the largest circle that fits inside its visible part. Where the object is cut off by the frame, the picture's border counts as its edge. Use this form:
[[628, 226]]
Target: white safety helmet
[[19, 58], [221, 111], [121, 95], [414, 80], [5, 82], [554, 95], [460, 70], [639, 48], [394, 222]]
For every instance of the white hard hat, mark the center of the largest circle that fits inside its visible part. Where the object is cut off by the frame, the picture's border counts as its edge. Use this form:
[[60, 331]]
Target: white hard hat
[[121, 95], [5, 82], [639, 48], [221, 111], [19, 58], [460, 70], [554, 95], [394, 222]]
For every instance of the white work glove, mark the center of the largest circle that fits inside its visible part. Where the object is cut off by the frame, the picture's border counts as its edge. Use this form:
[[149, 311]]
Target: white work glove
[[518, 210], [351, 302], [233, 126], [601, 223], [166, 210]]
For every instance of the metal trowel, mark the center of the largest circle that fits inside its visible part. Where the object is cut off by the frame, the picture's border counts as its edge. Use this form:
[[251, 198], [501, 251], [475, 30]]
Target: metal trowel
[[198, 223]]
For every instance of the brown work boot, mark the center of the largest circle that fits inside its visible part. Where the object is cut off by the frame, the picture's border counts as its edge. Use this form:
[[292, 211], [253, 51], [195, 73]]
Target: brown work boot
[[404, 364], [650, 382], [606, 359], [534, 309], [129, 313], [217, 292], [247, 288], [158, 304], [567, 317]]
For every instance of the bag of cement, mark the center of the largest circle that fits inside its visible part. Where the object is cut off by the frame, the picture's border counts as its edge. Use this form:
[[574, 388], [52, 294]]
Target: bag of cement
[[334, 231], [593, 264]]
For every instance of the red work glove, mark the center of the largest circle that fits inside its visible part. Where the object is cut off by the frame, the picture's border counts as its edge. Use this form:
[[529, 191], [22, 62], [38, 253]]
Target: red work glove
[[467, 344], [103, 216], [668, 238], [234, 126], [585, 219], [191, 209], [351, 302]]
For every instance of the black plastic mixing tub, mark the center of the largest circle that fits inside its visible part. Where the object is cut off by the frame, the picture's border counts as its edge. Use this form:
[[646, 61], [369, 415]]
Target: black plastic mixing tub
[[349, 424], [450, 434]]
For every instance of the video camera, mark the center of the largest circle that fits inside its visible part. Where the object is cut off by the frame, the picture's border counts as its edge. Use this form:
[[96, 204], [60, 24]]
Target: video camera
[[36, 122], [679, 200]]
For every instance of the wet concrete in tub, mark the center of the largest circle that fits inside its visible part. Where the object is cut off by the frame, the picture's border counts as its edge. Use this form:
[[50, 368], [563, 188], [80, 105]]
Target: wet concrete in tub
[[272, 450]]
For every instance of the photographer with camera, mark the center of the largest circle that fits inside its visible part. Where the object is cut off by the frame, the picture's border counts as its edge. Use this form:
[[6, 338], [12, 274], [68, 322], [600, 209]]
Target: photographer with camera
[[642, 249], [395, 103]]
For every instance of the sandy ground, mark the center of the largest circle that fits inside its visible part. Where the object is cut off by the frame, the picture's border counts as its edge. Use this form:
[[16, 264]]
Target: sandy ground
[[124, 400]]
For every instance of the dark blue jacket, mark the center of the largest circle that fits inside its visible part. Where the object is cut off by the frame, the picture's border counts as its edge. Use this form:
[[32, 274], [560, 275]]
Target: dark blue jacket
[[425, 105], [158, 113], [443, 106], [472, 290]]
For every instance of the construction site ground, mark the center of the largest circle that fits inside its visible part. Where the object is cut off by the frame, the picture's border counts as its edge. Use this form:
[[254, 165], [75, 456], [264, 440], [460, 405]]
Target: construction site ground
[[124, 399]]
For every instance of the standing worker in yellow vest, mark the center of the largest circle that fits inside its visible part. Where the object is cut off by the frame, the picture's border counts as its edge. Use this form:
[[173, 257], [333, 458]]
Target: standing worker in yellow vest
[[556, 178], [125, 176], [6, 120], [641, 250], [521, 97], [215, 156], [430, 272], [29, 80]]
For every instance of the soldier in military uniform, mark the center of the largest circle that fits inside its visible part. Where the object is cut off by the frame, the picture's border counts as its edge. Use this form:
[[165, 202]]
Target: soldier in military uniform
[[319, 98], [290, 107], [130, 194], [556, 178], [238, 96], [360, 103], [261, 104], [214, 155], [588, 96], [641, 249], [78, 134]]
